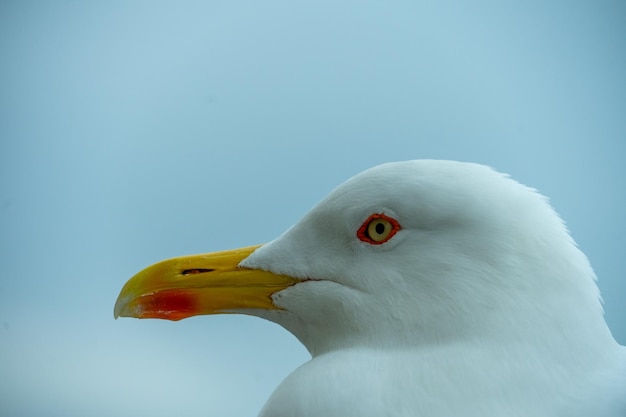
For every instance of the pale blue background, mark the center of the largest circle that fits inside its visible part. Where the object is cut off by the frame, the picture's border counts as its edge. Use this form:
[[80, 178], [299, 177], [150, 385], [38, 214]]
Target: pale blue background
[[135, 131]]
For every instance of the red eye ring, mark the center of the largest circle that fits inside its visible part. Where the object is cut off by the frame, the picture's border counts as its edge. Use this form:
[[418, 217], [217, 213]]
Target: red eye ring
[[378, 229]]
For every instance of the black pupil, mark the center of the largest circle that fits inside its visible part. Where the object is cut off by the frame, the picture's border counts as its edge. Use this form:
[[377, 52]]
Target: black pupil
[[380, 228]]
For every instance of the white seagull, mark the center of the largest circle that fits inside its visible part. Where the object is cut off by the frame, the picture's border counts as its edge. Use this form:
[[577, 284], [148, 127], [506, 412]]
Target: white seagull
[[420, 288]]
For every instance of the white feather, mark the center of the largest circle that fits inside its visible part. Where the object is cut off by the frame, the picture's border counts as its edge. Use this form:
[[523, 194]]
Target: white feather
[[481, 305]]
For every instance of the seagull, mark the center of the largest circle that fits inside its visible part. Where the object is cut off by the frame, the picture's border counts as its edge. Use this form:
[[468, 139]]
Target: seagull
[[420, 288]]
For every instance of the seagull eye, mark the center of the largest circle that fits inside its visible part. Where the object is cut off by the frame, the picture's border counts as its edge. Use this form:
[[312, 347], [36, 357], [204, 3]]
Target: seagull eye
[[378, 229]]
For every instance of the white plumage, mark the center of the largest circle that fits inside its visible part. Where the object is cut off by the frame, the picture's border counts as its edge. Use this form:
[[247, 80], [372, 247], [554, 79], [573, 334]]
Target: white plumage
[[481, 305]]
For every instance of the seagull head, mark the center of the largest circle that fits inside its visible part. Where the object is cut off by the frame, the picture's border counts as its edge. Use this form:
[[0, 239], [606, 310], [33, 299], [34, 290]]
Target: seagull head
[[410, 253]]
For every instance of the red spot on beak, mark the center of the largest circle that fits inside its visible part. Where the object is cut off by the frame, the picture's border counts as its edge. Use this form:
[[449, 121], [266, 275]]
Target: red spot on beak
[[168, 304]]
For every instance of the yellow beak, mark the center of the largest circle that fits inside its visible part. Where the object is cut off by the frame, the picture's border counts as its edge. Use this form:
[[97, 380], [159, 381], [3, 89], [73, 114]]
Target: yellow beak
[[210, 283]]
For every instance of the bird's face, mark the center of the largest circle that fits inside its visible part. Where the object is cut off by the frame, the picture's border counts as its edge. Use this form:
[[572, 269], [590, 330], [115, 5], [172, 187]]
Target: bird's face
[[389, 252]]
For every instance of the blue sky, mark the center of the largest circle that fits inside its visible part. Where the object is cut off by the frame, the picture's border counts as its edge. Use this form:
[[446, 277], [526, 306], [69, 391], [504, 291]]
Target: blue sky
[[136, 131]]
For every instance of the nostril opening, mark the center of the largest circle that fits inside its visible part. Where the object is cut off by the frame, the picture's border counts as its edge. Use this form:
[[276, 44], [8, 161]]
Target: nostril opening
[[197, 271]]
